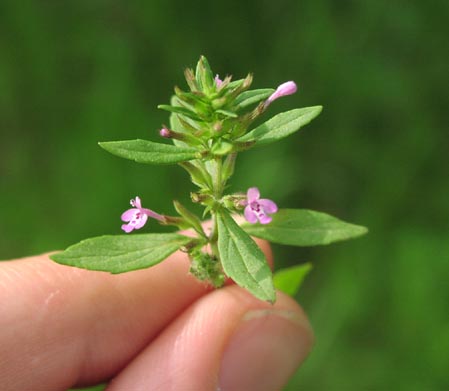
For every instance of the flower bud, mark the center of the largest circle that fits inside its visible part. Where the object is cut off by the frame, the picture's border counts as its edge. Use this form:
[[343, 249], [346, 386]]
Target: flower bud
[[187, 138], [164, 132], [218, 126], [287, 88], [218, 81], [247, 82]]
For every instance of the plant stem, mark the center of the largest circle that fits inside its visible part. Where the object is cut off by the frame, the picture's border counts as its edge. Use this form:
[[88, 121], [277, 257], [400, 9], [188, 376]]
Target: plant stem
[[218, 186], [217, 178]]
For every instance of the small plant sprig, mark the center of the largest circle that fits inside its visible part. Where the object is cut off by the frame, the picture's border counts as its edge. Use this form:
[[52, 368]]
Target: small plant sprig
[[209, 125]]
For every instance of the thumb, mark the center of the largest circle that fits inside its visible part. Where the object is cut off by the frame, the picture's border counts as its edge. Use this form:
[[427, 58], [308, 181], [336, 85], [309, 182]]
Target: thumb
[[227, 340], [266, 348]]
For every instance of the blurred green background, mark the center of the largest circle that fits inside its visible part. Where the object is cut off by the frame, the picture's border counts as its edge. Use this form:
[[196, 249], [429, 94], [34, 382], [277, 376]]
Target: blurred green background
[[76, 72]]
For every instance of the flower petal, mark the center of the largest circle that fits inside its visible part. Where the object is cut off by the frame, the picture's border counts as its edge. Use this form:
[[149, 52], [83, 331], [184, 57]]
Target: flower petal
[[140, 222], [127, 228], [264, 219], [136, 202], [253, 194], [268, 205], [250, 216], [129, 214]]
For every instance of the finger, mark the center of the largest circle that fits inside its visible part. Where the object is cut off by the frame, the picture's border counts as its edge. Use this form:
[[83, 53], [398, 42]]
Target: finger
[[227, 340], [63, 325]]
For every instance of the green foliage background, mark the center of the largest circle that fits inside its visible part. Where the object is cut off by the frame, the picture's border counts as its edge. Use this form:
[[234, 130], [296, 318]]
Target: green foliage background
[[76, 72]]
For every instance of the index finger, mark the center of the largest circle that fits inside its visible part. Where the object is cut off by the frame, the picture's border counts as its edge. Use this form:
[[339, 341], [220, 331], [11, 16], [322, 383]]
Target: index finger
[[64, 326]]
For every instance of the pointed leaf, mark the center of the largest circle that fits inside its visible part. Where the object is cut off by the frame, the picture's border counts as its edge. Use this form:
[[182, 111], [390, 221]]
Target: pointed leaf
[[281, 125], [179, 110], [190, 217], [228, 167], [289, 280], [204, 75], [121, 253], [175, 124], [302, 227], [198, 174], [179, 123], [243, 260], [227, 113], [248, 98], [235, 83], [143, 151]]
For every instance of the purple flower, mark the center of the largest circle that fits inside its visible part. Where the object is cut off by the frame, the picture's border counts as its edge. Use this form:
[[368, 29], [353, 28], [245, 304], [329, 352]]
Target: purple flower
[[138, 216], [287, 88], [218, 81], [256, 208]]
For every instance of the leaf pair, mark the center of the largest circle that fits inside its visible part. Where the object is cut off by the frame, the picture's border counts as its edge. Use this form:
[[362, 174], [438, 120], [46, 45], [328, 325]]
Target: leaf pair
[[241, 258], [278, 127]]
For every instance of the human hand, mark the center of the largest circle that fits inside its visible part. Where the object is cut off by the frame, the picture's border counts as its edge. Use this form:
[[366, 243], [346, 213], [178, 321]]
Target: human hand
[[152, 329]]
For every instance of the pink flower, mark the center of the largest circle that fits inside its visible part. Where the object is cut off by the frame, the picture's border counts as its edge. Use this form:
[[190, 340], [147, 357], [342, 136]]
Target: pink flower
[[287, 88], [218, 81], [256, 208], [138, 216]]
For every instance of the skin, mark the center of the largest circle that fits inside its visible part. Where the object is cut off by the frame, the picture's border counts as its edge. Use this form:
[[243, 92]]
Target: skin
[[153, 329]]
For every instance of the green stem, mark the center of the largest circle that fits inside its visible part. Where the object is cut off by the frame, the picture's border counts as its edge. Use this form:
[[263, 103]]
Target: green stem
[[213, 239], [218, 186], [217, 180]]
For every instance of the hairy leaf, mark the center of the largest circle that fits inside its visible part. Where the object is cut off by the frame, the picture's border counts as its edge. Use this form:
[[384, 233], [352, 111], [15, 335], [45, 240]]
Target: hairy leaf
[[248, 98], [243, 260], [121, 253], [302, 227], [281, 125], [143, 151]]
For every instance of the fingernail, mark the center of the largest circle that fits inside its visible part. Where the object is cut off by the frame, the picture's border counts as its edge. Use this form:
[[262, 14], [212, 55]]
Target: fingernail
[[265, 350]]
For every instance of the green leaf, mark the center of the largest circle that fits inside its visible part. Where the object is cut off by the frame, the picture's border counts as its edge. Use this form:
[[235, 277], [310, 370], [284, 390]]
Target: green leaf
[[228, 167], [143, 151], [281, 125], [302, 227], [121, 253], [221, 147], [289, 280], [198, 173], [189, 217], [204, 75], [180, 123], [248, 98], [227, 113], [180, 110], [236, 83], [243, 260]]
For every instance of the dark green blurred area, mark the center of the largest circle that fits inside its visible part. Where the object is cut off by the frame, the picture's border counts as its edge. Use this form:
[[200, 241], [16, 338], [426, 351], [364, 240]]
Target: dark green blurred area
[[76, 72]]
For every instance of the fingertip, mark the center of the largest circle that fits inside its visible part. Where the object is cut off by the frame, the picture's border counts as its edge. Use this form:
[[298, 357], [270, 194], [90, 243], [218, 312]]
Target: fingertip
[[267, 347]]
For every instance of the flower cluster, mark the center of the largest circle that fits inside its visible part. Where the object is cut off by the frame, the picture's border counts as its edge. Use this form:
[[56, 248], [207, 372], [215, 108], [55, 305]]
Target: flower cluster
[[256, 209], [213, 120]]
